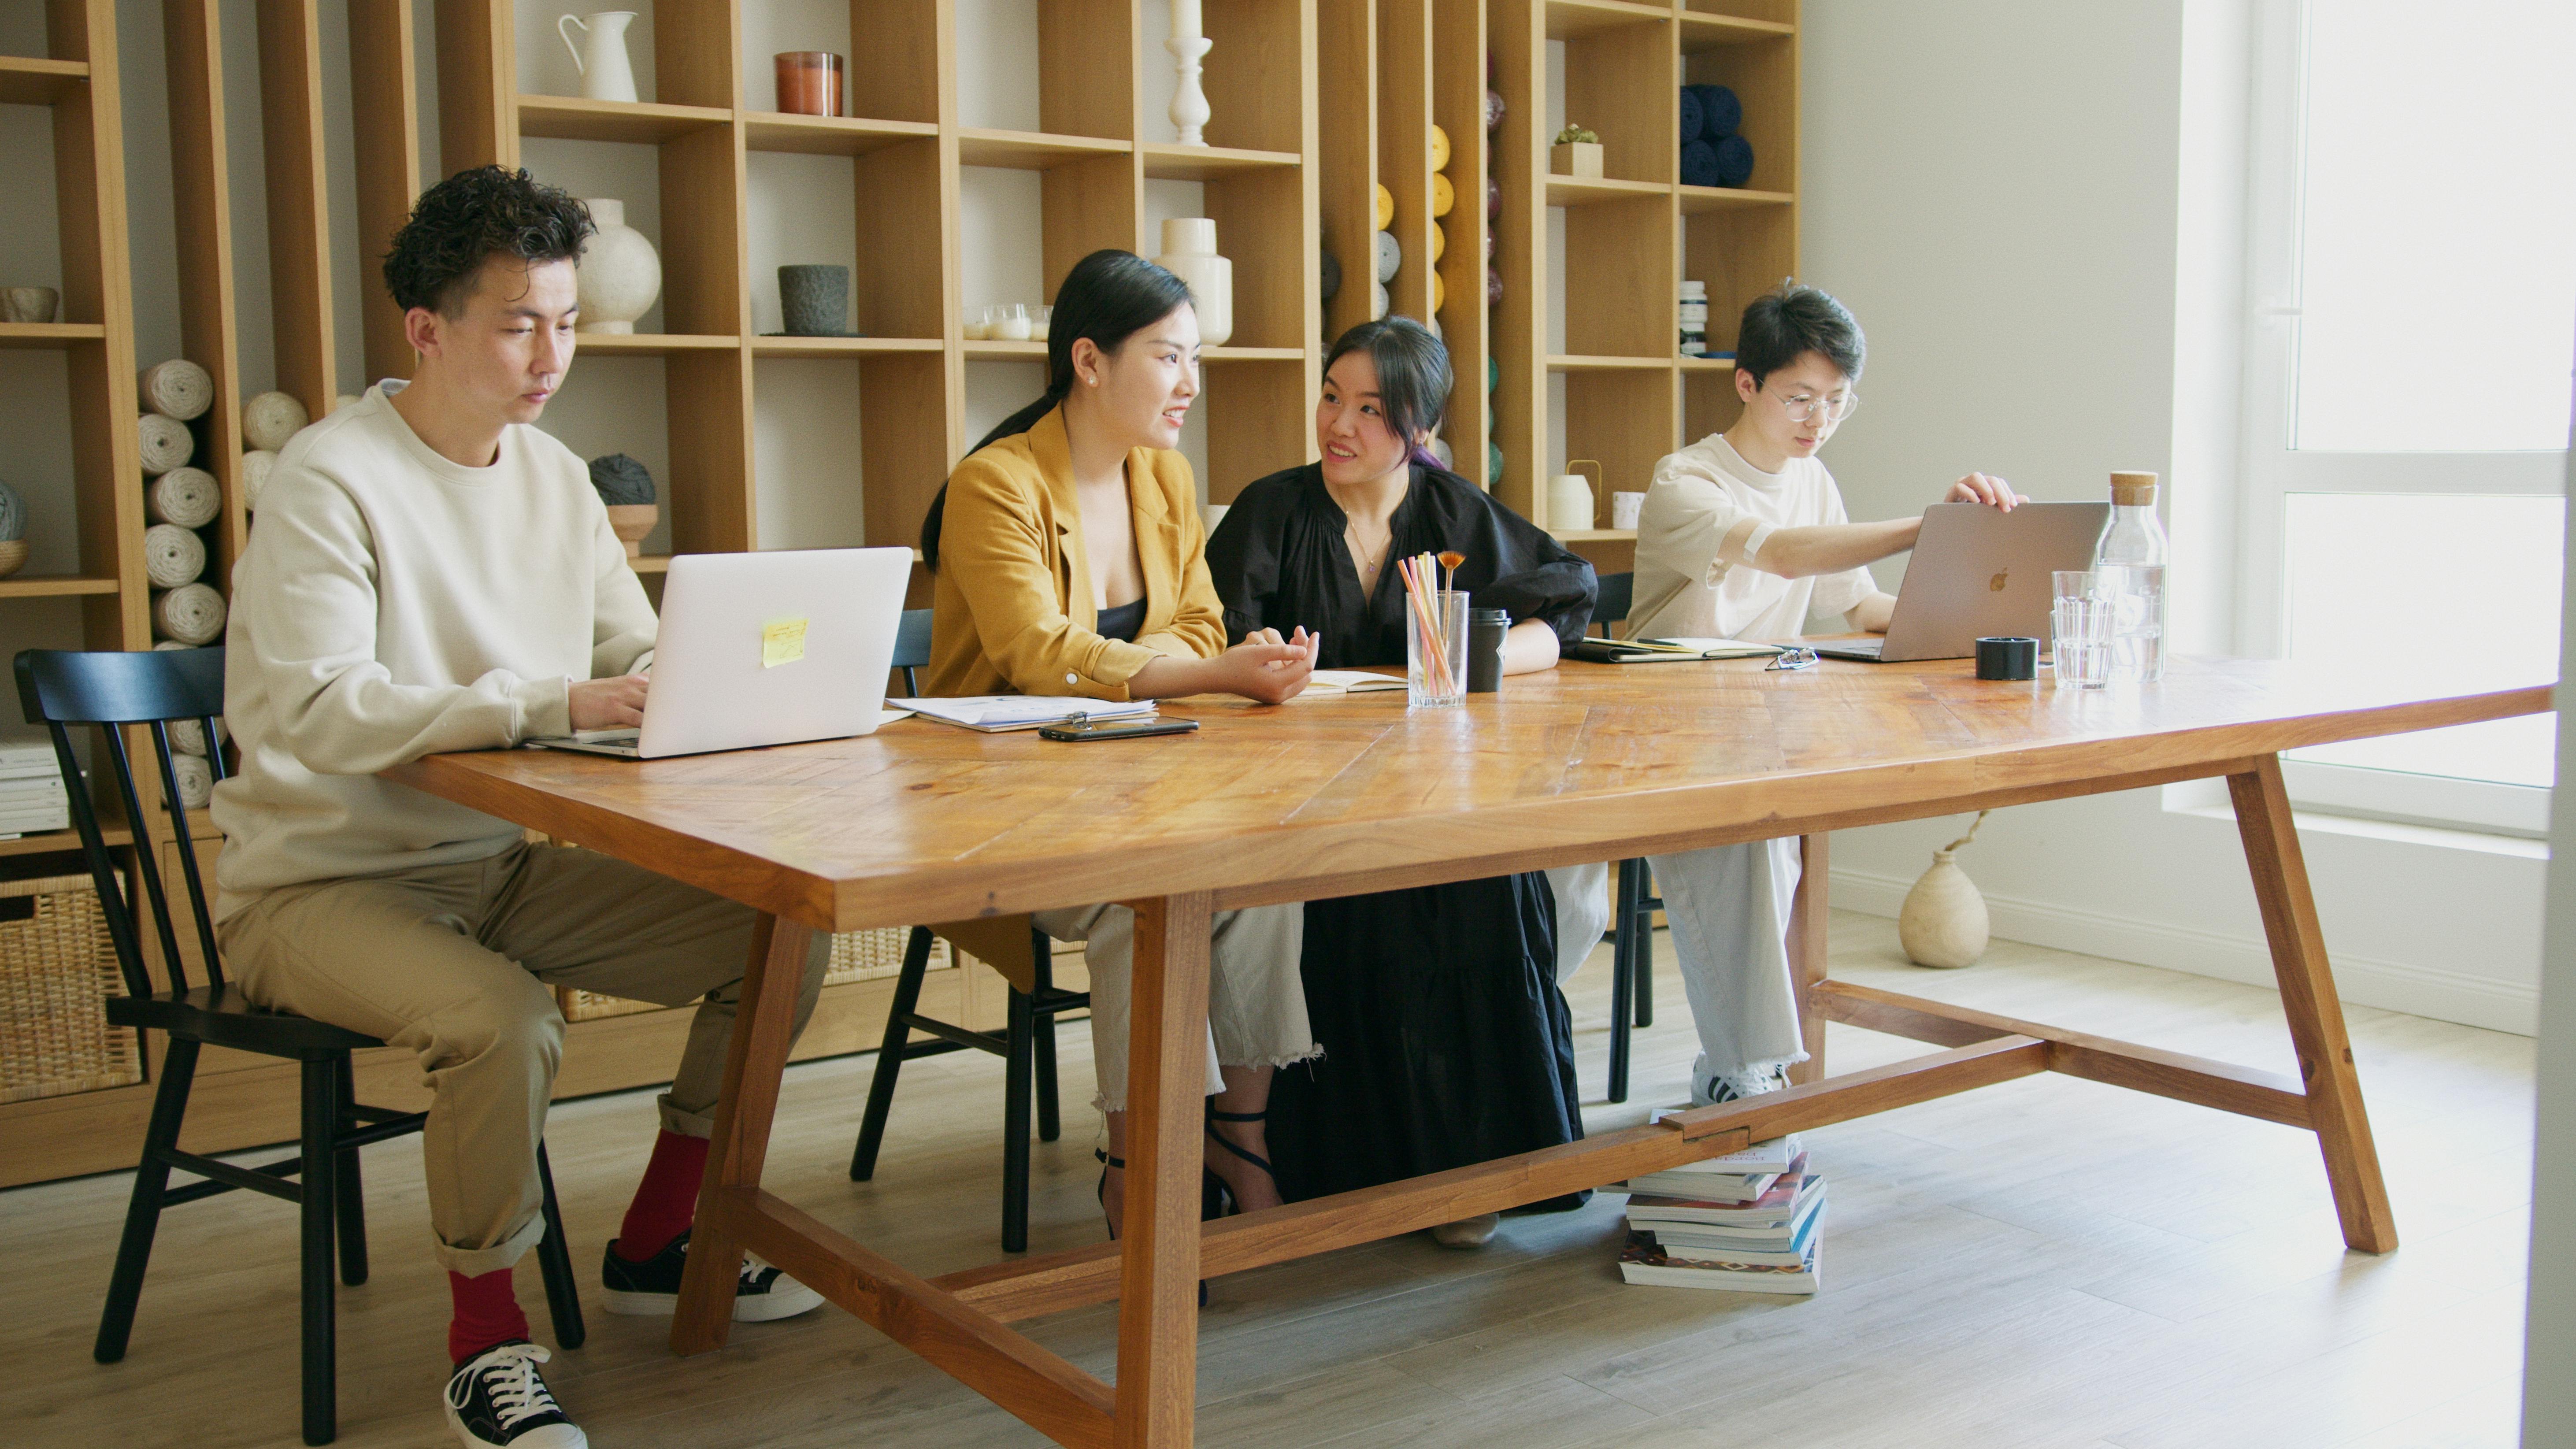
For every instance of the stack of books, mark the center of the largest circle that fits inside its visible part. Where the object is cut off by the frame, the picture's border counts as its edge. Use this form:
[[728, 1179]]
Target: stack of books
[[1746, 1222], [31, 792]]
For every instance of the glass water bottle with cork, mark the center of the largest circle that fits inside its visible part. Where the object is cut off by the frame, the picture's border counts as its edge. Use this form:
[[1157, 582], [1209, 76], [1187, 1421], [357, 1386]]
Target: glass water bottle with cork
[[2129, 569]]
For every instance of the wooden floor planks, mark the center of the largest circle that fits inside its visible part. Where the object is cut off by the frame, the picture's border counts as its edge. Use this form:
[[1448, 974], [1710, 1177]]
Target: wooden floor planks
[[2051, 1263]]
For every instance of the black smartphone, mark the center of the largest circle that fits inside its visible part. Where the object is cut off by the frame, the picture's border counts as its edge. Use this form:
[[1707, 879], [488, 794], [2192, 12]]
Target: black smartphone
[[1116, 729]]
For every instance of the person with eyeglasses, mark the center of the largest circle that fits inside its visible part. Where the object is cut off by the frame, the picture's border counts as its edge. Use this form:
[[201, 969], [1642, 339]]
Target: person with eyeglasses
[[1743, 535]]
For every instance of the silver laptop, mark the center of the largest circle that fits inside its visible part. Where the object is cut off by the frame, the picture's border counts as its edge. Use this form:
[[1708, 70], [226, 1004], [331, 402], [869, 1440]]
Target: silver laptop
[[1978, 572], [765, 649]]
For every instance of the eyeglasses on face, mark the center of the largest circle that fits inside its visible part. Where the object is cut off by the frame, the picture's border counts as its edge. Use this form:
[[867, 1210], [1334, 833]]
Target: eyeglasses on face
[[1806, 406]]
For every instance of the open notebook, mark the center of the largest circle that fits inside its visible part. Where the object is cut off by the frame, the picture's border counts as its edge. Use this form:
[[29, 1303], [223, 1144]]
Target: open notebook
[[1351, 681]]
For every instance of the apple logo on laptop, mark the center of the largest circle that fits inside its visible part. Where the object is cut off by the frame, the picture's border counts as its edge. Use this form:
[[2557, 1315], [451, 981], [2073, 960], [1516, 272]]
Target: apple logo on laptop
[[1996, 584]]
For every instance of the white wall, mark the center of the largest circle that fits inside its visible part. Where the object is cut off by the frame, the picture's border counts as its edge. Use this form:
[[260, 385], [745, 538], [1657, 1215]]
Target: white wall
[[2549, 1338], [2042, 240]]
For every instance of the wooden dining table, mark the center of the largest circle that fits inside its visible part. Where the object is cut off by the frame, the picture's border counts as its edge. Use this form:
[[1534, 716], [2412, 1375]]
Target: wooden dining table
[[1339, 794]]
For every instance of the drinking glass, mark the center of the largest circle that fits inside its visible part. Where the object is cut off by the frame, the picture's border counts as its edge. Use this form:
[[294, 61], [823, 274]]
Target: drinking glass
[[1435, 649], [2080, 626]]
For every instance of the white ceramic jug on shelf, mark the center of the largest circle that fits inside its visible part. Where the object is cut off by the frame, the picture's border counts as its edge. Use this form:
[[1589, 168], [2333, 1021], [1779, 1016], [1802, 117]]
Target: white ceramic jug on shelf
[[1189, 253], [1570, 499], [600, 56]]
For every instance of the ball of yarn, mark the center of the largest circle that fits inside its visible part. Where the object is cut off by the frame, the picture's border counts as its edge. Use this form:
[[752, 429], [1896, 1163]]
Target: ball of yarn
[[167, 444], [1385, 207], [196, 780], [1493, 464], [176, 389], [1493, 288], [1721, 112], [1443, 196], [1439, 295], [1493, 110], [187, 736], [1493, 199], [188, 497], [1332, 275], [1440, 450], [192, 614], [1390, 256], [13, 515], [1439, 148], [620, 480], [255, 468], [1378, 300], [271, 418], [1439, 241], [172, 555], [1691, 115], [1734, 160]]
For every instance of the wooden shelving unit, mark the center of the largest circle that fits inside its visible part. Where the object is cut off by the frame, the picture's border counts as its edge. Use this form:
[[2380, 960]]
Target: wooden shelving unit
[[1634, 235]]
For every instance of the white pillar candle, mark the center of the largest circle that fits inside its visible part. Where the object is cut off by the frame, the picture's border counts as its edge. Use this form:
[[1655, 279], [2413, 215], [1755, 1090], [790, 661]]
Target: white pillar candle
[[1185, 19]]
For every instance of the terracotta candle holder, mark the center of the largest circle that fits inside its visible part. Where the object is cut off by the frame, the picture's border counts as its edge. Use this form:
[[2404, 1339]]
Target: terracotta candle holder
[[809, 82]]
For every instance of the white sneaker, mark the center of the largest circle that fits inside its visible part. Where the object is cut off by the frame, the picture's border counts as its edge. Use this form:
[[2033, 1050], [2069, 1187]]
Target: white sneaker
[[1712, 1089], [497, 1398], [1473, 1232]]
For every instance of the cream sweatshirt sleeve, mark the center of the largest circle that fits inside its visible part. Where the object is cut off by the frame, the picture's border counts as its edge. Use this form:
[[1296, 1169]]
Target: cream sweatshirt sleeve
[[313, 622]]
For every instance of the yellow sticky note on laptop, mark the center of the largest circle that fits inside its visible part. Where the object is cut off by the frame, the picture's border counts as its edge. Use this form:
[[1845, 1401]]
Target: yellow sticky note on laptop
[[782, 641]]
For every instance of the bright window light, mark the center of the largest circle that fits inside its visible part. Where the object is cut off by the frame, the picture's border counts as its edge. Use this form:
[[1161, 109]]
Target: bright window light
[[2470, 579], [2437, 252]]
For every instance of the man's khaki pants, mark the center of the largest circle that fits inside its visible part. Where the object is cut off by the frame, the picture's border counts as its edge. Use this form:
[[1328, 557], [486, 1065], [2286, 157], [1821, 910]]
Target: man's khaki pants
[[456, 963]]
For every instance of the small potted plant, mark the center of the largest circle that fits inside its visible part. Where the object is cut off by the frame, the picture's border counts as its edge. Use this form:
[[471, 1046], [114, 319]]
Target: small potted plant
[[1577, 153]]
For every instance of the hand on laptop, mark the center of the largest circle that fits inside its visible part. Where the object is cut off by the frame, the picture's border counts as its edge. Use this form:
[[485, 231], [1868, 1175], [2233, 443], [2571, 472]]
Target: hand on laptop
[[607, 704], [1984, 488]]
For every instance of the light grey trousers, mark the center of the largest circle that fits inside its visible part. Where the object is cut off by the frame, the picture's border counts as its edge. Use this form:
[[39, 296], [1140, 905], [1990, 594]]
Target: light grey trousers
[[1256, 998], [1729, 909]]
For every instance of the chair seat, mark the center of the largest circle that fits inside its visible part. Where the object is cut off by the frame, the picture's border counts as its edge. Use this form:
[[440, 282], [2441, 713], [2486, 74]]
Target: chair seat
[[222, 1016]]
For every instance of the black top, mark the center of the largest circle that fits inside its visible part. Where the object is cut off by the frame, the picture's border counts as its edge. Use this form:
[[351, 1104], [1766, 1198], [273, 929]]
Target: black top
[[1121, 623], [1279, 561]]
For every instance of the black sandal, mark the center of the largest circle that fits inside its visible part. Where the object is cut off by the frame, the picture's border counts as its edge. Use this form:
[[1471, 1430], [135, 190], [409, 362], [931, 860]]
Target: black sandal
[[1102, 1156], [1214, 1117]]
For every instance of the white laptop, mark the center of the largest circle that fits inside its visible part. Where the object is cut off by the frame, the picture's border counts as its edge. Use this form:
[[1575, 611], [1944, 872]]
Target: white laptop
[[765, 649], [1979, 572]]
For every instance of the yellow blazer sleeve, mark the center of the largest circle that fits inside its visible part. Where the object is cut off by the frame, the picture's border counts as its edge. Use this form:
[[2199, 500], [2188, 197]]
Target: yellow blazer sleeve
[[1197, 629], [991, 542]]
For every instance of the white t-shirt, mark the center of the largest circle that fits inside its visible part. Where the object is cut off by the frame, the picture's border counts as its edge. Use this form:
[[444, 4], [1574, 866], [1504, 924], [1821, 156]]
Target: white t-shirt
[[393, 604], [1705, 517]]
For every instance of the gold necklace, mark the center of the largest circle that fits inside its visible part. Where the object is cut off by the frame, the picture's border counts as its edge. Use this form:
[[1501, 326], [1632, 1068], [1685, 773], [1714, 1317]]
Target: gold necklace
[[1368, 566]]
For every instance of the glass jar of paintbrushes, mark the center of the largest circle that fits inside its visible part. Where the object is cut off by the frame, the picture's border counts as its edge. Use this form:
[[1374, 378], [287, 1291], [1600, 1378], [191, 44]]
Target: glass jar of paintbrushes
[[1435, 632]]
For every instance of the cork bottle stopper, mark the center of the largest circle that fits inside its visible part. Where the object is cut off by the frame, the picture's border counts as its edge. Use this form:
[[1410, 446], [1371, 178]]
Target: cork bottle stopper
[[2133, 490]]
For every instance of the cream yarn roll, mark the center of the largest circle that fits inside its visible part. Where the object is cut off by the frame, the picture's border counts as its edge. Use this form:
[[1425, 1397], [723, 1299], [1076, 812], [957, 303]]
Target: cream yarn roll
[[167, 443], [188, 497], [255, 465], [196, 780], [271, 418], [186, 735], [172, 555], [176, 389], [192, 614]]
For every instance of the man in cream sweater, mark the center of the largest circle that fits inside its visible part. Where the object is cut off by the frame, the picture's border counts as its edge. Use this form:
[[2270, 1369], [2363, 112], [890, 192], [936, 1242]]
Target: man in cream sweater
[[430, 572]]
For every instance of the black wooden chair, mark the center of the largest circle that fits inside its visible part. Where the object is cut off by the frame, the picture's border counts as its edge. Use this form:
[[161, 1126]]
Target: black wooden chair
[[1026, 1045], [59, 690], [1632, 910]]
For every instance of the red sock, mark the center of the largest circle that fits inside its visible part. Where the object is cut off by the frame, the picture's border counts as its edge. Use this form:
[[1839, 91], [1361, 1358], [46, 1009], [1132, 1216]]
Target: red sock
[[487, 1313], [666, 1201]]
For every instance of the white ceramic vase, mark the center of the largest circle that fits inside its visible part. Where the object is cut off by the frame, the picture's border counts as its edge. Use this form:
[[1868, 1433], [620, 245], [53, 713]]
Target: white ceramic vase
[[619, 274], [1189, 253]]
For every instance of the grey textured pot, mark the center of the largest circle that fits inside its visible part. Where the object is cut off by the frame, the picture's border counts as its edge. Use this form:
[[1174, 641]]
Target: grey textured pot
[[816, 300]]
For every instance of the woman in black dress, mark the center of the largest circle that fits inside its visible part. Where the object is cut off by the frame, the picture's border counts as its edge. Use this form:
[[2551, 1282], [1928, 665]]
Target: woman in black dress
[[1446, 1041]]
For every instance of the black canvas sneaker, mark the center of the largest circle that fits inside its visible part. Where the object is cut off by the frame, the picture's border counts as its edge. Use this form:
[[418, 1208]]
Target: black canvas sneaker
[[1717, 1090], [651, 1289], [497, 1397]]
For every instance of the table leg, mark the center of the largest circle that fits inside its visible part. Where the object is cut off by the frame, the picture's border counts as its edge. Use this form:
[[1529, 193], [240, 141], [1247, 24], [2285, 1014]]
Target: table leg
[[2308, 1000], [1807, 950], [764, 1028], [1158, 1314]]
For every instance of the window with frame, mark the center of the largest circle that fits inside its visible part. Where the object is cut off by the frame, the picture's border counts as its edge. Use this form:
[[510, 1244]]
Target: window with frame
[[2413, 220]]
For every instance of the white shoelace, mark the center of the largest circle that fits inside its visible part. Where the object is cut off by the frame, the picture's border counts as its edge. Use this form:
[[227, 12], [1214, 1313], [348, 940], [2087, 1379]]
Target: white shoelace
[[509, 1375]]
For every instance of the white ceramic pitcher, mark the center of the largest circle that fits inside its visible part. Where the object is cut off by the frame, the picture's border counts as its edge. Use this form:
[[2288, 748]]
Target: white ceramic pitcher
[[601, 54]]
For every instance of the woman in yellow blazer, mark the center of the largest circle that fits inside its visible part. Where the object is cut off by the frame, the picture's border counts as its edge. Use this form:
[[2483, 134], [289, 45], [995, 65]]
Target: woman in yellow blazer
[[1069, 560]]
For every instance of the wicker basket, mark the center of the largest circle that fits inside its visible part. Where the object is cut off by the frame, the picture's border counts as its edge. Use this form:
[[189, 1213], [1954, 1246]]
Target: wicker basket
[[856, 956], [57, 969]]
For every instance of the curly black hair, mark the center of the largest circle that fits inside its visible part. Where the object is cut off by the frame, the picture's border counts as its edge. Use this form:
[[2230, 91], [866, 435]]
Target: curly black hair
[[471, 217]]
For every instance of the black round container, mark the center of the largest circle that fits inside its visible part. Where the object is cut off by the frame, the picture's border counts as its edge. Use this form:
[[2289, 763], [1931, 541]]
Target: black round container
[[1485, 631], [2007, 658]]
